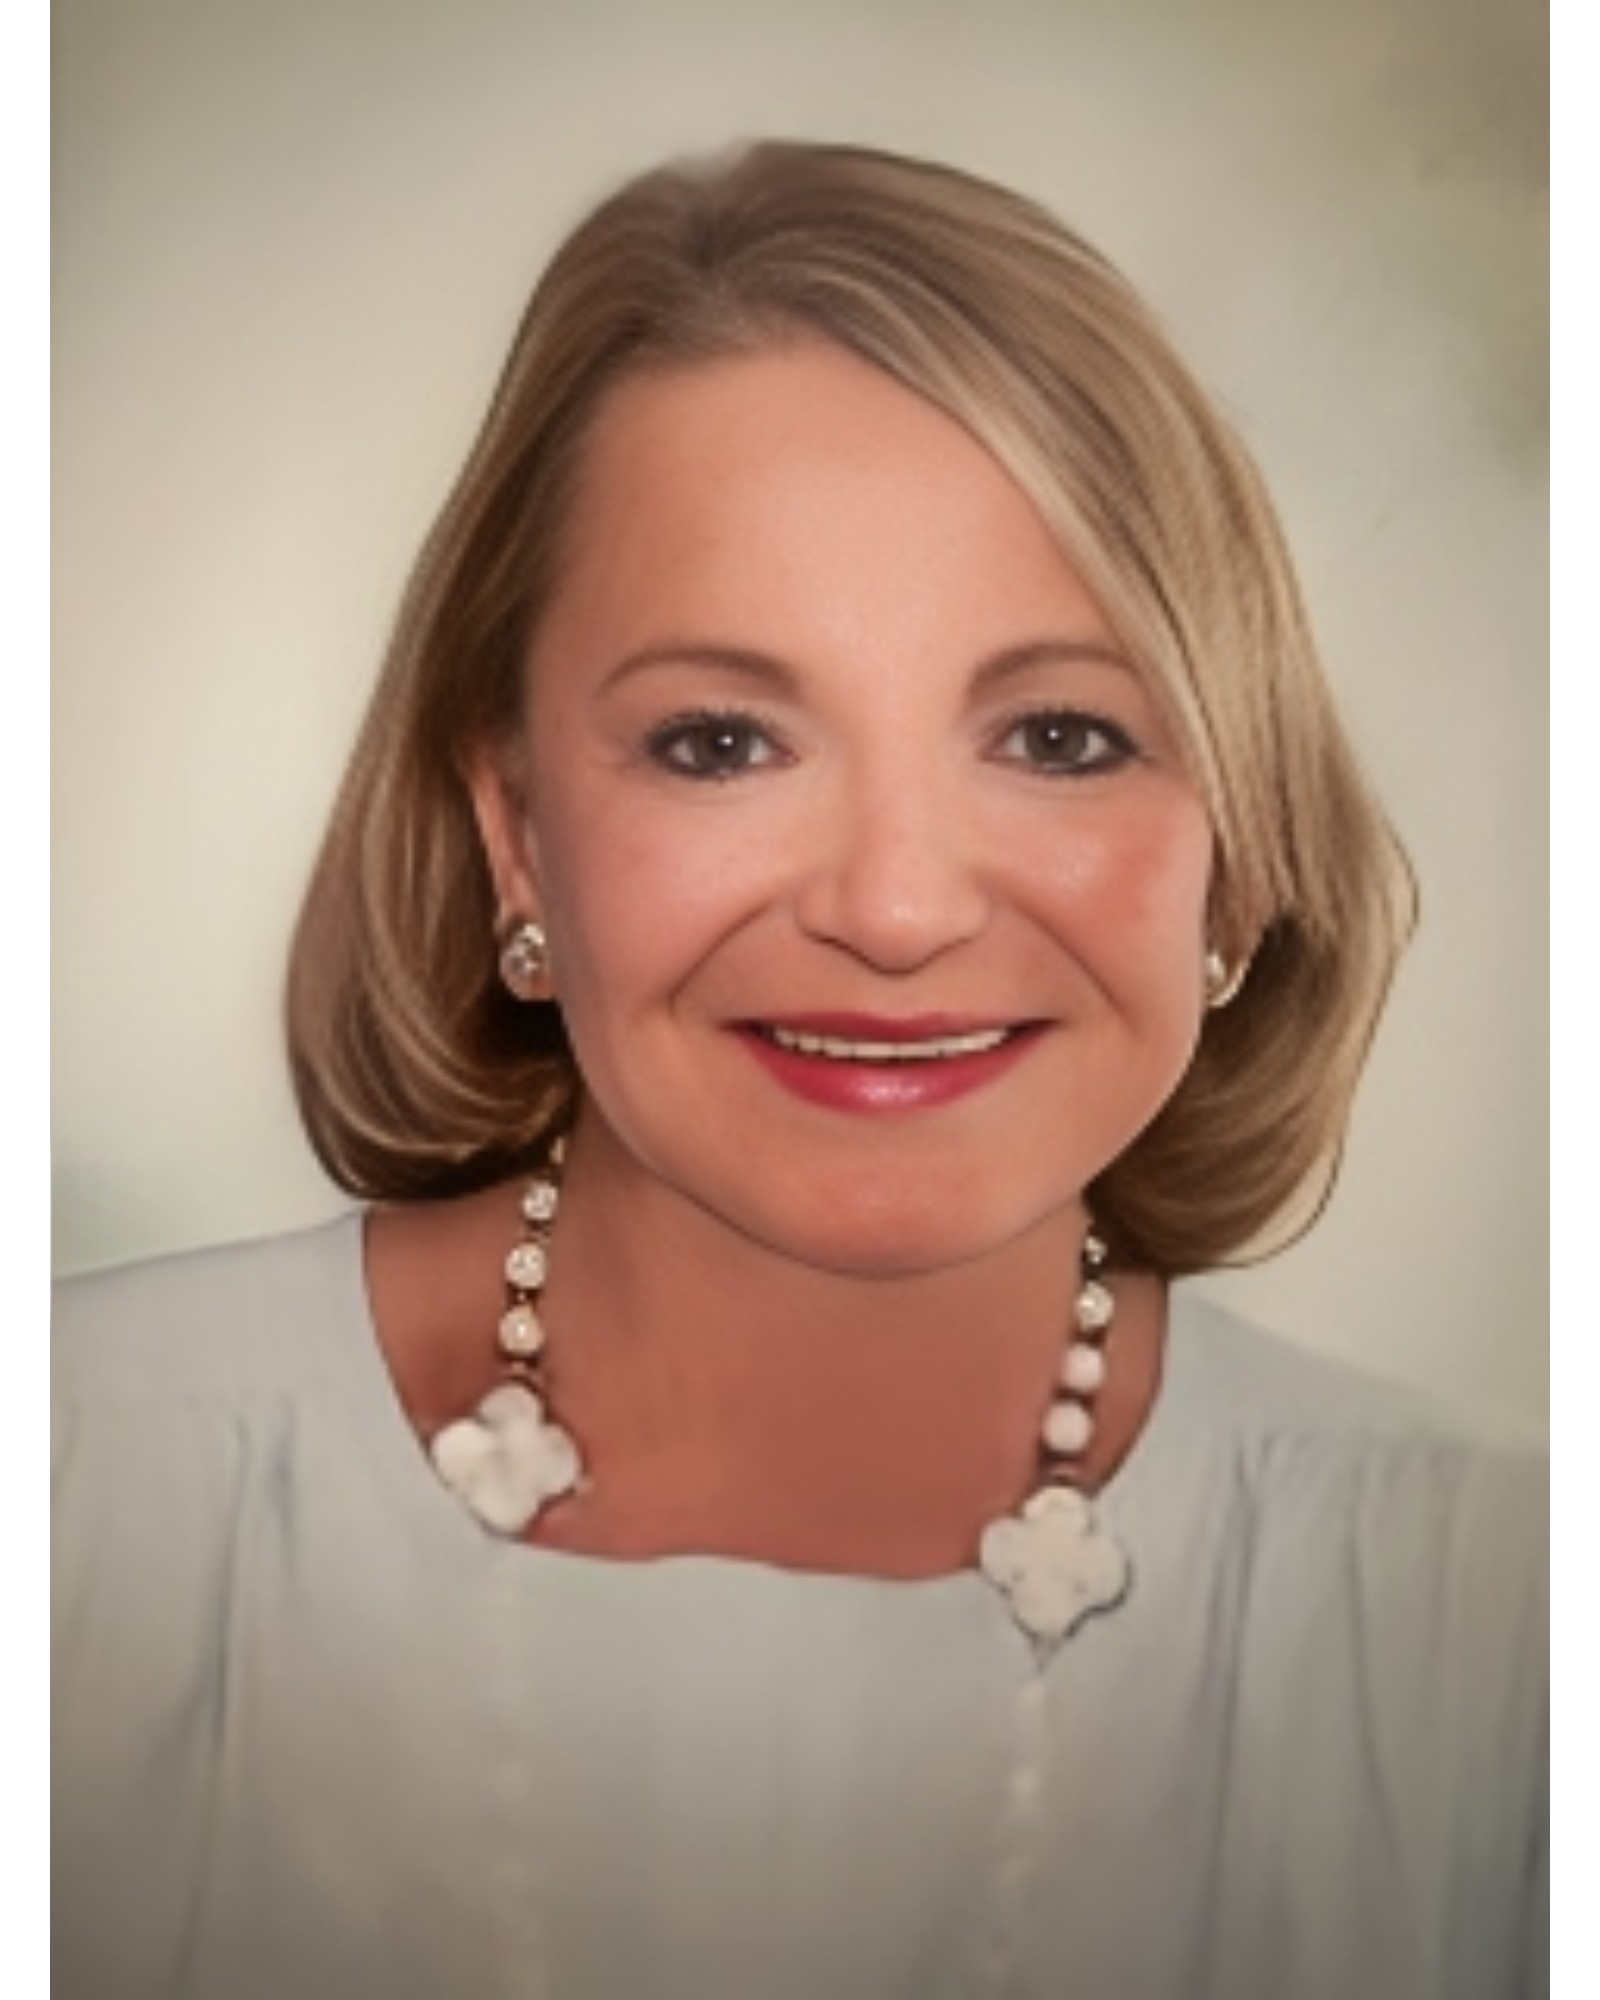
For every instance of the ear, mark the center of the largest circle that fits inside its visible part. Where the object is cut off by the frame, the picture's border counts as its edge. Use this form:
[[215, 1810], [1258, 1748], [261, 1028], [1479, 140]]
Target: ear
[[499, 804]]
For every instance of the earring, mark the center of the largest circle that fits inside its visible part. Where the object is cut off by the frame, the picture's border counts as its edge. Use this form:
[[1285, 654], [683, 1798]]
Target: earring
[[525, 963], [1221, 983]]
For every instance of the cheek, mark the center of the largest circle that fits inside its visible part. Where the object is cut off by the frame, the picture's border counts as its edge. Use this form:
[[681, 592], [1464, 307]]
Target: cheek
[[636, 896], [1137, 882]]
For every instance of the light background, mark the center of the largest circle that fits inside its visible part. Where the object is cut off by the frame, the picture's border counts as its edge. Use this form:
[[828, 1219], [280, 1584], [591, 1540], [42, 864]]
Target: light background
[[292, 240]]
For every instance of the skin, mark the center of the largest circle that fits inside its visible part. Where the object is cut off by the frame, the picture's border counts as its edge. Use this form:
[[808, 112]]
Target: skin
[[820, 722]]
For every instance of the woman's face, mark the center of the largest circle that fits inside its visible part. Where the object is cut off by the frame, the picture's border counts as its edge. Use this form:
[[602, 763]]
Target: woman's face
[[874, 882]]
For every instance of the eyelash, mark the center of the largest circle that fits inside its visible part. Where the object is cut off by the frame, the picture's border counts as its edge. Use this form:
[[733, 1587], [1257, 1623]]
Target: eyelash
[[679, 744], [695, 730], [1117, 746]]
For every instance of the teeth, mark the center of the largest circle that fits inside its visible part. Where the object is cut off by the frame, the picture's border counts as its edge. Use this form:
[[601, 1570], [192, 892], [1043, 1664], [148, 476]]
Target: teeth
[[837, 1050]]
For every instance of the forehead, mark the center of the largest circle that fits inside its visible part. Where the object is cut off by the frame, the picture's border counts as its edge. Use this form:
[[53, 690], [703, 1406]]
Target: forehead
[[802, 486]]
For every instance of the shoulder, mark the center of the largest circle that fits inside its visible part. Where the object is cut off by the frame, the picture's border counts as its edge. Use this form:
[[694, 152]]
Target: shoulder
[[179, 1383], [1282, 1406], [184, 1390], [225, 1320], [1342, 1470], [1373, 1522]]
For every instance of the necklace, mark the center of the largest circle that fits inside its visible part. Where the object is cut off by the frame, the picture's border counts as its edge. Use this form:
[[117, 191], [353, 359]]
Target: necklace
[[1051, 1560]]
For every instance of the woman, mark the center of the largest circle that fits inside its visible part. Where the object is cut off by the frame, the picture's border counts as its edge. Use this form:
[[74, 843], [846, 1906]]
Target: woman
[[851, 884]]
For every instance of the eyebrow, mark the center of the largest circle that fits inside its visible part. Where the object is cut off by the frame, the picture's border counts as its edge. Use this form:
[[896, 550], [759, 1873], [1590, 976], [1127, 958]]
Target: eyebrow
[[779, 677], [763, 669], [1000, 667]]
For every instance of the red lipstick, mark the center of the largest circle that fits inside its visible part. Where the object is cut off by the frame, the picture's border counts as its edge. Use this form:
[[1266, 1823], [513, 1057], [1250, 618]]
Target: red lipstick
[[875, 1063]]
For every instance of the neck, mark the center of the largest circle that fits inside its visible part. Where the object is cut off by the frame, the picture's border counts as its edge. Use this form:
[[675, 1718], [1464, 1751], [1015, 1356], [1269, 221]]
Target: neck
[[731, 1400]]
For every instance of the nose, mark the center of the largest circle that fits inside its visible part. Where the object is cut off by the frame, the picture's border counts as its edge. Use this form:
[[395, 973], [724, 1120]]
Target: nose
[[895, 875]]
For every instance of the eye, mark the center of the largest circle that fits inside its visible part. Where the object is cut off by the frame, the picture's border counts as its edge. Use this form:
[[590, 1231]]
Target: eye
[[712, 745], [1065, 743]]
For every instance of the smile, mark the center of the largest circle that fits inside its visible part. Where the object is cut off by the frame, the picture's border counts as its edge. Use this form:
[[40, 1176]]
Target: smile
[[855, 1063], [940, 1048]]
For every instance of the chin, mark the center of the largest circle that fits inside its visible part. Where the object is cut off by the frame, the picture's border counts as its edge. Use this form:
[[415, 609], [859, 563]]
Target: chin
[[887, 1231]]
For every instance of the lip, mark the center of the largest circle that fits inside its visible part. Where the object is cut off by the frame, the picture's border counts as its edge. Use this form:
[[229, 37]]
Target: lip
[[895, 1084]]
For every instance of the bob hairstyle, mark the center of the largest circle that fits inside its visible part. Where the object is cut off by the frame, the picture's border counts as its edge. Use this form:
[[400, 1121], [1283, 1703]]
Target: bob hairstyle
[[419, 1077]]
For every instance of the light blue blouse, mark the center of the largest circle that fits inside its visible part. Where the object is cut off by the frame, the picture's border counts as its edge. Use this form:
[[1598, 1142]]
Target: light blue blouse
[[318, 1734]]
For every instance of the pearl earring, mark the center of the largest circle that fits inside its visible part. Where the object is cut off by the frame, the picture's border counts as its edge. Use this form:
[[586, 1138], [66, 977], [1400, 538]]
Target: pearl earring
[[525, 963], [1222, 983]]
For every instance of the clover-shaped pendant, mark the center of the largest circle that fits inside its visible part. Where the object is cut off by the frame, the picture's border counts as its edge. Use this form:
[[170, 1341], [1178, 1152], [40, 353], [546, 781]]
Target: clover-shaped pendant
[[505, 1461], [1054, 1564]]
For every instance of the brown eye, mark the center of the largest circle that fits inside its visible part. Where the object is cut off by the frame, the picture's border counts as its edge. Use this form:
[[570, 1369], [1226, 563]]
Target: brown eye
[[711, 746], [1065, 743]]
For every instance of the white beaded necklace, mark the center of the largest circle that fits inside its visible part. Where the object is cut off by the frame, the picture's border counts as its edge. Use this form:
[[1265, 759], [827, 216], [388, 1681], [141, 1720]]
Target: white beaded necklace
[[1051, 1560]]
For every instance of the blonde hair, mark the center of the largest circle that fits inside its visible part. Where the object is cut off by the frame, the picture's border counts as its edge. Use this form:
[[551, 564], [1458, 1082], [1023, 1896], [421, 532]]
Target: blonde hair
[[419, 1076]]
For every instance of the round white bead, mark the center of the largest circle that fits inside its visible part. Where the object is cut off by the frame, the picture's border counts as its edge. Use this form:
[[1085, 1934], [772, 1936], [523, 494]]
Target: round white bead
[[1068, 1428], [1083, 1369], [526, 1267], [521, 1335], [539, 1201], [1095, 1307]]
